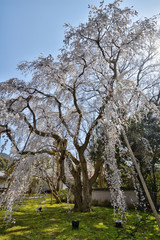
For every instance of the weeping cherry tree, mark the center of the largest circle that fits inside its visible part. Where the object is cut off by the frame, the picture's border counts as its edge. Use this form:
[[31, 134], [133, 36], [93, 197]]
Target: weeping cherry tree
[[107, 72]]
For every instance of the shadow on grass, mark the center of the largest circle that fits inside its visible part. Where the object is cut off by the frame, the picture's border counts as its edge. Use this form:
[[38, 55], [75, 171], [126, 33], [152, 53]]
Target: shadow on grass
[[56, 223], [53, 222]]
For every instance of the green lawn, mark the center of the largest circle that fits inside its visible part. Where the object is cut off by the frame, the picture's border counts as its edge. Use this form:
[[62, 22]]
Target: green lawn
[[56, 223]]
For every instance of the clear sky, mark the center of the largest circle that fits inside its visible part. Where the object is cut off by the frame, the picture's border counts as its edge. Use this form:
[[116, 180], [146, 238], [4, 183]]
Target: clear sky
[[31, 27]]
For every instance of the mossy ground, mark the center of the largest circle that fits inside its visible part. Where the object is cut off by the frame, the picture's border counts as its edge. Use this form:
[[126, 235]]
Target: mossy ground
[[56, 223]]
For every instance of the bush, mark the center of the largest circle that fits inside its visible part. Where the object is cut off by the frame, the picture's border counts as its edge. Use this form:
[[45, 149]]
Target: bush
[[63, 194]]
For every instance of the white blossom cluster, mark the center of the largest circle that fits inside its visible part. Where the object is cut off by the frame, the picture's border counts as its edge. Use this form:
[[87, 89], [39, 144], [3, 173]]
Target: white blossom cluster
[[112, 173], [19, 182]]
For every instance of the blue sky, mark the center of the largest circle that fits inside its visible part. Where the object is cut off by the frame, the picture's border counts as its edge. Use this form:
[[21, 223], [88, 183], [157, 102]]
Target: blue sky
[[31, 27]]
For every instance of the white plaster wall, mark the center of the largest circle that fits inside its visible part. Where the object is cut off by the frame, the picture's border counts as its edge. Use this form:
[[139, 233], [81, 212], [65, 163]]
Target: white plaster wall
[[101, 197]]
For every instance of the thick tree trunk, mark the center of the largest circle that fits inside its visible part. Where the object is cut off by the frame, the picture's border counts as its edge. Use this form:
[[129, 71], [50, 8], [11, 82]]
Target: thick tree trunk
[[83, 188], [82, 195], [87, 197], [78, 199], [82, 199]]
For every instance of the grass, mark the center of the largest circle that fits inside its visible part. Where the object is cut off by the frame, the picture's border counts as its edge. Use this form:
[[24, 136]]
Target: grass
[[56, 223]]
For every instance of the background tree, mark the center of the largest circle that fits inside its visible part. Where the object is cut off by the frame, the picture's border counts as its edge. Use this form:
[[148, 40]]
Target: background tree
[[145, 142], [144, 139]]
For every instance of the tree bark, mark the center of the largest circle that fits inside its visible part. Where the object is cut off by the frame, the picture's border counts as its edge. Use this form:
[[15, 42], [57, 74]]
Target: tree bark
[[86, 186], [82, 193], [87, 197], [82, 198], [78, 198]]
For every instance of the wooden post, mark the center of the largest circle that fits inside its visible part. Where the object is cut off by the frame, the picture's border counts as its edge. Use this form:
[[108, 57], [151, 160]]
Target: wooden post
[[141, 177]]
